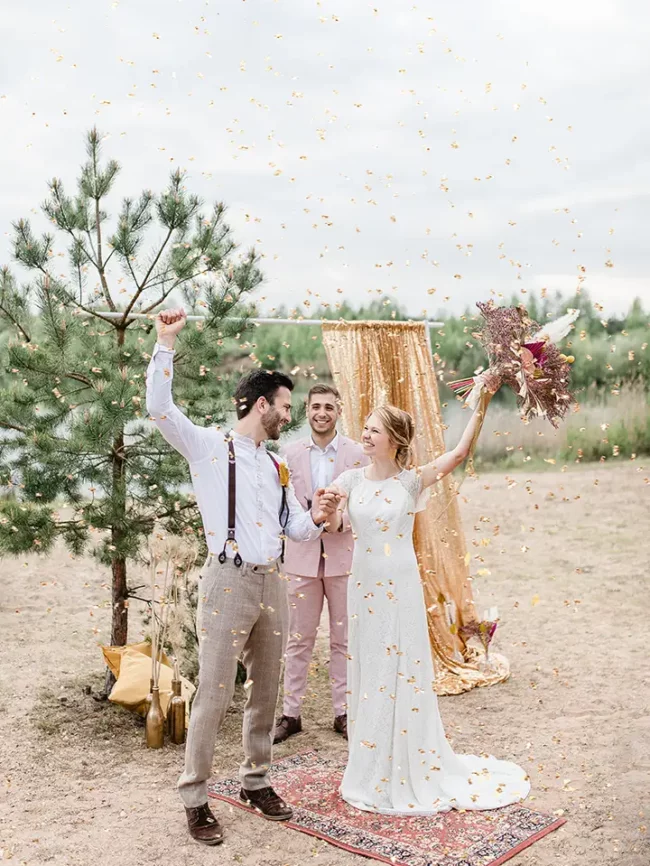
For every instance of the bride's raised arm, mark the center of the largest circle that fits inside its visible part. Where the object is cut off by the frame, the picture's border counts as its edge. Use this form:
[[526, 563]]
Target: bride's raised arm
[[447, 462]]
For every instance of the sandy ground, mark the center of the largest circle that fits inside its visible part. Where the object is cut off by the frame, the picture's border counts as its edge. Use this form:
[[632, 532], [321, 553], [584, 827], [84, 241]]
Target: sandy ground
[[569, 572]]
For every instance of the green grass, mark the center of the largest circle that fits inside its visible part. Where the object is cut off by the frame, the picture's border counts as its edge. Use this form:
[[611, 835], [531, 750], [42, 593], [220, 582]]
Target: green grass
[[607, 425]]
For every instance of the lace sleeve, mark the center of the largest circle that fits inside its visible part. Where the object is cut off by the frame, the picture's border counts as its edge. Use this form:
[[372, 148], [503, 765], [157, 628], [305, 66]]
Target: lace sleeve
[[347, 480], [412, 482]]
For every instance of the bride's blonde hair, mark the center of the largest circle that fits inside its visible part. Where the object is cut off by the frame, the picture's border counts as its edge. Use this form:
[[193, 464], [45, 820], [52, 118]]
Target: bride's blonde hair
[[401, 432]]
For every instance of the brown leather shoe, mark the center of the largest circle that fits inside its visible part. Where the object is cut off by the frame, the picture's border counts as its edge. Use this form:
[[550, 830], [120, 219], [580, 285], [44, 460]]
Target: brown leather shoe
[[267, 803], [285, 727], [341, 725], [203, 825]]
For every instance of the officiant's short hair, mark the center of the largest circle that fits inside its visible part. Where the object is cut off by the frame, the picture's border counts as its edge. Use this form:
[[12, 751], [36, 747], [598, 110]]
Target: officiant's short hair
[[323, 388], [256, 384]]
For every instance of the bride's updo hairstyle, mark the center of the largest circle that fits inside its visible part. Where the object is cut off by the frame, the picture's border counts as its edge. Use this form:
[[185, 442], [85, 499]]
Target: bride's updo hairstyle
[[401, 431]]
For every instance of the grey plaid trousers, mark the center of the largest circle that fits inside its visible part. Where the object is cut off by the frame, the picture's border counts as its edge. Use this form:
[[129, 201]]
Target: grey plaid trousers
[[239, 609]]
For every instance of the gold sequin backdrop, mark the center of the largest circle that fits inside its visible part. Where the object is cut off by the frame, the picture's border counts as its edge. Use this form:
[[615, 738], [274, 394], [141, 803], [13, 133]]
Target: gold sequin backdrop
[[390, 362]]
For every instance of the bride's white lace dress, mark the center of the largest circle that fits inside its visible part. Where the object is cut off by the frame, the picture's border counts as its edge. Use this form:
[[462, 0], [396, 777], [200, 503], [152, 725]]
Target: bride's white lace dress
[[399, 759]]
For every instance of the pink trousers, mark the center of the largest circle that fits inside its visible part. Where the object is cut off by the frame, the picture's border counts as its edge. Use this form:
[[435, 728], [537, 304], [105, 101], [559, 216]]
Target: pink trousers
[[306, 596]]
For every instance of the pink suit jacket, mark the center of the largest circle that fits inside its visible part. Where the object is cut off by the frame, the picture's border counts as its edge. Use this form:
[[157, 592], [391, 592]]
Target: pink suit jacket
[[303, 557]]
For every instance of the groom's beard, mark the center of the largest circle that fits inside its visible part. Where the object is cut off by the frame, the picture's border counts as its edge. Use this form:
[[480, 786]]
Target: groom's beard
[[272, 424]]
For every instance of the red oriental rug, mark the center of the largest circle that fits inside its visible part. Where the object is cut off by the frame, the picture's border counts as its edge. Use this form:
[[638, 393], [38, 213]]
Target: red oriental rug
[[309, 782]]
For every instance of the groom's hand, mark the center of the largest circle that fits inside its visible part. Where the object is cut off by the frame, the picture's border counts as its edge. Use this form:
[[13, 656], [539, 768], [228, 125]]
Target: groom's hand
[[324, 505], [169, 324]]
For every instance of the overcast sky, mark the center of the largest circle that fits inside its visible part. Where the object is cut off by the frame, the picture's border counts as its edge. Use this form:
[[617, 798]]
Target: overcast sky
[[363, 148]]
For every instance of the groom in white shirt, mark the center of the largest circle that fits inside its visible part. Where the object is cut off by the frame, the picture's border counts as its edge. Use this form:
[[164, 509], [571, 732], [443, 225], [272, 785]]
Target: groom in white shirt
[[243, 604]]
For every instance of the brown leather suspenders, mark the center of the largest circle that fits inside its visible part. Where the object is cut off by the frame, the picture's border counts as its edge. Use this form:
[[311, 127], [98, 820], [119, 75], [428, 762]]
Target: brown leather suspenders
[[232, 505]]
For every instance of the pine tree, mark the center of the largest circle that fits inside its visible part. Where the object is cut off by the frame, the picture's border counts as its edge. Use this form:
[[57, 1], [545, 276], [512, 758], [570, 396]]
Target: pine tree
[[76, 449]]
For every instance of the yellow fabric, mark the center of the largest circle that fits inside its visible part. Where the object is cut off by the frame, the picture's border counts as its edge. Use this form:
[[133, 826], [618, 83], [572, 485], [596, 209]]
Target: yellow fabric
[[390, 362], [132, 667], [113, 655]]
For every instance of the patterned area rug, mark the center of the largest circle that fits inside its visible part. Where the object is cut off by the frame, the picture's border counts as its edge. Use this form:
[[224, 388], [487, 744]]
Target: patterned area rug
[[309, 782]]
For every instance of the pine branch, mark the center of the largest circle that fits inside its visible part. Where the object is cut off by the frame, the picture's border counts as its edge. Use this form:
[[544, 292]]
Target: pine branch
[[100, 264], [185, 507], [100, 268], [133, 274], [7, 425], [101, 184], [181, 280], [61, 216], [168, 292], [45, 291], [80, 282], [12, 303], [77, 304], [78, 377], [161, 281], [147, 523], [70, 394], [71, 523], [143, 285], [91, 242], [15, 322], [132, 452]]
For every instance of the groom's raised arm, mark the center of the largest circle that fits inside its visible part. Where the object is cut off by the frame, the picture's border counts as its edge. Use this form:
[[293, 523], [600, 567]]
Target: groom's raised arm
[[192, 441]]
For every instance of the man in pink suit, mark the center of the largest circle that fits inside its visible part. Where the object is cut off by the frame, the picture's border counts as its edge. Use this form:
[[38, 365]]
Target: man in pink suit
[[318, 569]]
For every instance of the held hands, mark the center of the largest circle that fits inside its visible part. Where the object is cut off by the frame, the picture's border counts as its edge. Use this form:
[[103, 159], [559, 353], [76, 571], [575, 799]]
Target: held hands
[[335, 517], [169, 324], [342, 497], [324, 504]]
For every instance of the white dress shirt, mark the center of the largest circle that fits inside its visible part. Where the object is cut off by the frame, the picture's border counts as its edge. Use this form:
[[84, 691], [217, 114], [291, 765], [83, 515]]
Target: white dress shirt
[[259, 494], [322, 462]]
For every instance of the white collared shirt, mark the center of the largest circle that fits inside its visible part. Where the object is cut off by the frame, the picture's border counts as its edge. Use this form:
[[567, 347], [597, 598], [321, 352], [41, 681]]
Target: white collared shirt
[[259, 494], [322, 462]]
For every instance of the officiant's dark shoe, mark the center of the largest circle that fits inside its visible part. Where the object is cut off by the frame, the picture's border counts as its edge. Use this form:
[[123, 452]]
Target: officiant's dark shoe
[[341, 725], [267, 803], [203, 825], [285, 727]]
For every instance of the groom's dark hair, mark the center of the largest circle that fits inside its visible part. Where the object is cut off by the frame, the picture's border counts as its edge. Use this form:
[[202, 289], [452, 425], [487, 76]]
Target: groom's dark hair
[[256, 384]]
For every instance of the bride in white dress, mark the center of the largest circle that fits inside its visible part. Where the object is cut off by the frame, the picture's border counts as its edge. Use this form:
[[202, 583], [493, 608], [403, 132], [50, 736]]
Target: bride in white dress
[[400, 761]]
